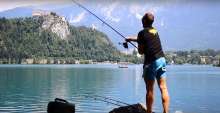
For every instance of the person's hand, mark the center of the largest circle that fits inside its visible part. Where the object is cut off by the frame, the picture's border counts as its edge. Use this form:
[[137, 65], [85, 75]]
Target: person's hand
[[127, 39], [131, 38]]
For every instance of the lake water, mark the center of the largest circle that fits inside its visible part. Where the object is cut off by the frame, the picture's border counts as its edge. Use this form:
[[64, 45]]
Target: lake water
[[29, 88]]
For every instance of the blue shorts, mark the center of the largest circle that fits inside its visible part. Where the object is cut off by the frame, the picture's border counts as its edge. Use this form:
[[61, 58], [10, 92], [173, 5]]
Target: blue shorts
[[154, 70]]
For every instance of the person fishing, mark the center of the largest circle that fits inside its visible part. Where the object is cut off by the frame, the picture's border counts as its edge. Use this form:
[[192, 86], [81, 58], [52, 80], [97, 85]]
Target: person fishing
[[154, 62]]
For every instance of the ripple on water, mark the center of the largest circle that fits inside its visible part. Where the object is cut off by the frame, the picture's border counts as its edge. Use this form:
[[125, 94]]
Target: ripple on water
[[30, 88]]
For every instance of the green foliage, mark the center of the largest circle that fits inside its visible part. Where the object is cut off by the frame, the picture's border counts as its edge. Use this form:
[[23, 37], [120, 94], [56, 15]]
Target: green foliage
[[18, 37], [22, 38], [92, 44], [208, 56]]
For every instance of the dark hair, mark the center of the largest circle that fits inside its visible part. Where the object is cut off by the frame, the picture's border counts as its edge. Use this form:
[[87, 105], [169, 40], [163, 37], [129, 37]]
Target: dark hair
[[148, 20]]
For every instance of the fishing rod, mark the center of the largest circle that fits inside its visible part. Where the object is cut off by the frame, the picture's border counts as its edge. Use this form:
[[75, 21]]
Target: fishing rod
[[125, 43], [107, 100], [112, 99]]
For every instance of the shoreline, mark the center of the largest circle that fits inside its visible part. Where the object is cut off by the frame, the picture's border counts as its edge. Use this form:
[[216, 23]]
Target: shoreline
[[70, 61]]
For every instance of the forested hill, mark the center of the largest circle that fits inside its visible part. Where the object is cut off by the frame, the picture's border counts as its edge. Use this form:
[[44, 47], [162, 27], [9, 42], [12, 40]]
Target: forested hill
[[38, 37]]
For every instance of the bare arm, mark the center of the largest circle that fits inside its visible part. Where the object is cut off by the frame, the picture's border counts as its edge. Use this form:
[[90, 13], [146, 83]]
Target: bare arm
[[140, 47], [131, 38]]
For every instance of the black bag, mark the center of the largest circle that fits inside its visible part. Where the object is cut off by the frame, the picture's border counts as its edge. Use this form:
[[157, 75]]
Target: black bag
[[60, 106], [135, 108]]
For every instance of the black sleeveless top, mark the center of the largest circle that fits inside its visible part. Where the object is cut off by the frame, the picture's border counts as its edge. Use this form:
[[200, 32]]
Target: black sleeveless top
[[152, 46]]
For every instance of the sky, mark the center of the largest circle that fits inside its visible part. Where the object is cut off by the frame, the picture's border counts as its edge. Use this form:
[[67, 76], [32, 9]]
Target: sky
[[10, 4], [182, 24]]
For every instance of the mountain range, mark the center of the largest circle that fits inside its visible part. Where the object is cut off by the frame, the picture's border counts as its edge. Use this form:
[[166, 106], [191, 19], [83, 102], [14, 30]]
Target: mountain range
[[181, 26]]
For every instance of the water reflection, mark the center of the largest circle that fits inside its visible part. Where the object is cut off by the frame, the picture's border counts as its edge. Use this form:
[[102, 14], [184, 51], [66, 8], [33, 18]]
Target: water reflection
[[28, 88]]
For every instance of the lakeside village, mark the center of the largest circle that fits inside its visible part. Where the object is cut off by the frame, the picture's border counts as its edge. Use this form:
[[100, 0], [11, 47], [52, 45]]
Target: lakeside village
[[173, 58]]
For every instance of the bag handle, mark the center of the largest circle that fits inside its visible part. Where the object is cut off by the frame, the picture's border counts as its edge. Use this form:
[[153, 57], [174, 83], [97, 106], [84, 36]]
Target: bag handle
[[60, 100]]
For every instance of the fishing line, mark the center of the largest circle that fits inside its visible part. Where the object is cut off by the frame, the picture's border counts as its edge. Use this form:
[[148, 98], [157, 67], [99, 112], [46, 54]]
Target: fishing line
[[106, 99], [109, 100], [120, 34]]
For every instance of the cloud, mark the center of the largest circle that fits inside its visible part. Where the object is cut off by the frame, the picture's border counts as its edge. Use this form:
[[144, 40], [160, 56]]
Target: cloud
[[138, 16], [136, 10], [10, 4], [154, 10], [78, 18], [108, 12]]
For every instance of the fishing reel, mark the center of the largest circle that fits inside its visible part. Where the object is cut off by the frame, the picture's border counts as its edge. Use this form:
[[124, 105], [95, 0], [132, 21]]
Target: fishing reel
[[124, 44]]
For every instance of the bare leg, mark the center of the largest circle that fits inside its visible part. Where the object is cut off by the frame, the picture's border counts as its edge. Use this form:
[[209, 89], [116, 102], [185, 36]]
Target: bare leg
[[149, 95], [164, 94]]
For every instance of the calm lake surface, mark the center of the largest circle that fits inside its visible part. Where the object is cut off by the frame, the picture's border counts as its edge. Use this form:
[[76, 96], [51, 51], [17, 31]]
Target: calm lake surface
[[29, 88]]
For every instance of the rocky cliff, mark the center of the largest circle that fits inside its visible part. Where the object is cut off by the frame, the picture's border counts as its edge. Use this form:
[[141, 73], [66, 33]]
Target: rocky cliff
[[54, 23]]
